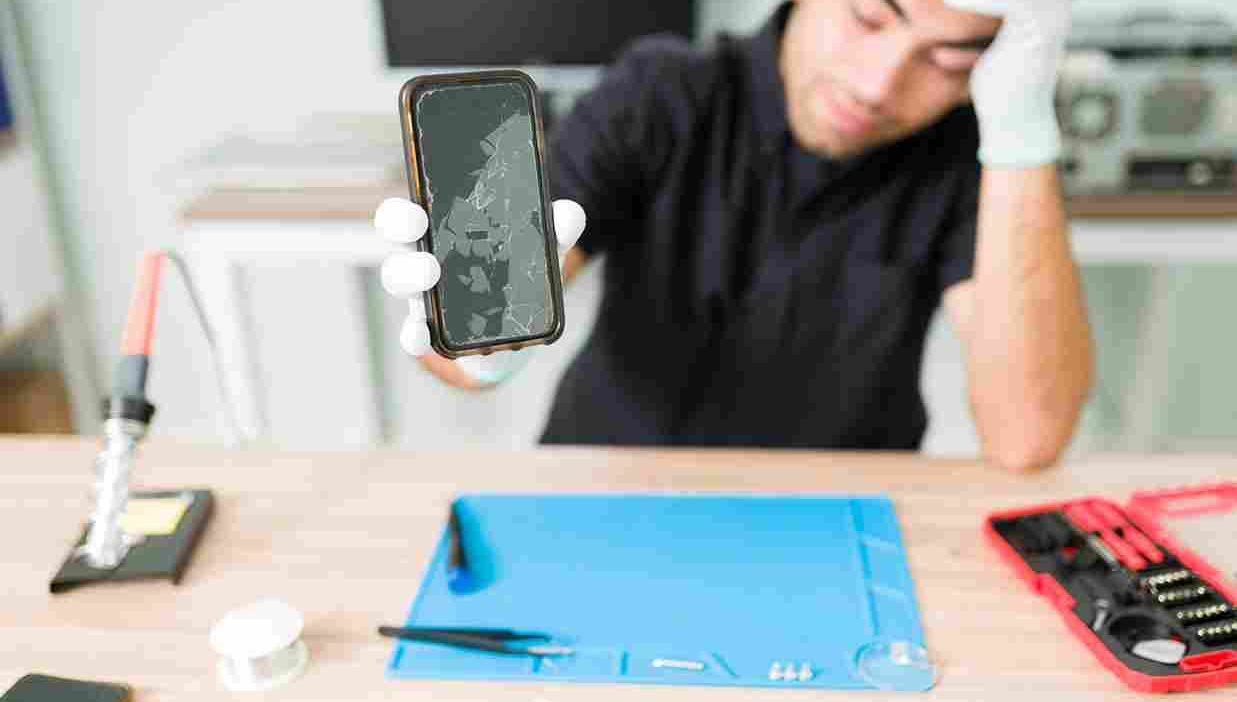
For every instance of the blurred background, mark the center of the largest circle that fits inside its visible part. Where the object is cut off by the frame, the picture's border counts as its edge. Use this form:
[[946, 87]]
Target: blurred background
[[258, 136]]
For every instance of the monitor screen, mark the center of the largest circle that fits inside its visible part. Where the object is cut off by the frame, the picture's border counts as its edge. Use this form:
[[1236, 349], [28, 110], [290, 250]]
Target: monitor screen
[[523, 32]]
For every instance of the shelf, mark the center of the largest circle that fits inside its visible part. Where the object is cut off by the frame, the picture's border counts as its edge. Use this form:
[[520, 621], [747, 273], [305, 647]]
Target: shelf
[[35, 323], [1154, 206]]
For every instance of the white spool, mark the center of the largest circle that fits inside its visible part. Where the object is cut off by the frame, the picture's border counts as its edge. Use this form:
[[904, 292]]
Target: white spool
[[259, 646]]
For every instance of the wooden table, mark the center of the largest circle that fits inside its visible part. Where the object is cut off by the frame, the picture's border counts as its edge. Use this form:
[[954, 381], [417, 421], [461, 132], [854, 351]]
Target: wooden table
[[344, 538]]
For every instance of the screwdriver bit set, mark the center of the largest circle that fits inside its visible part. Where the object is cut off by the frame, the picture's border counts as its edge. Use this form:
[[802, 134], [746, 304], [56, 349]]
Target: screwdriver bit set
[[1158, 615]]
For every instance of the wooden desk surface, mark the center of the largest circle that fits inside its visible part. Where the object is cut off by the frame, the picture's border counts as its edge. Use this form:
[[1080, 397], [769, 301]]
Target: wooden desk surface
[[358, 203], [344, 537]]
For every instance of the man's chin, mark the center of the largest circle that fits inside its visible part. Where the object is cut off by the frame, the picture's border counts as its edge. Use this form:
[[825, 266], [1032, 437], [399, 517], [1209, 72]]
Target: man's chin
[[832, 144], [834, 148], [844, 151]]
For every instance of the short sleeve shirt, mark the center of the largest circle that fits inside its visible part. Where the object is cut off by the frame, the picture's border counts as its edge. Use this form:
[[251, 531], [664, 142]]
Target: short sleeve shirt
[[754, 293]]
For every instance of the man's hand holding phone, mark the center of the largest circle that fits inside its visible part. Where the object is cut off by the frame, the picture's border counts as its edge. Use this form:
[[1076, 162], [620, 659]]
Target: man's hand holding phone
[[408, 274]]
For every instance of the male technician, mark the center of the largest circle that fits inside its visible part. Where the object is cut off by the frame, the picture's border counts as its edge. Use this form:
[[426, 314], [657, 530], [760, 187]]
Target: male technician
[[781, 216]]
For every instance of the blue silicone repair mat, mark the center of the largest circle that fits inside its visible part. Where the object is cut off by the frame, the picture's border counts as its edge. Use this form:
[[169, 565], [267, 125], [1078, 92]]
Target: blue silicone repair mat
[[734, 583]]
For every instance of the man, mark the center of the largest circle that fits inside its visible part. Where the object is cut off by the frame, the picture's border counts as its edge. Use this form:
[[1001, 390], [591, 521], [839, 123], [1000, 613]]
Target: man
[[782, 215]]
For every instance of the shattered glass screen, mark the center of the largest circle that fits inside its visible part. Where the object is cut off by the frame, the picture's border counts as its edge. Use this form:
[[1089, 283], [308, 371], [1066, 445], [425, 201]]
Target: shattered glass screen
[[482, 188]]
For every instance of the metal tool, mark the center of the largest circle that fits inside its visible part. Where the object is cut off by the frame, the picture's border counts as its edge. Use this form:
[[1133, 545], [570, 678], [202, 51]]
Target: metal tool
[[678, 664], [1102, 610], [1218, 633], [1101, 549], [127, 414], [789, 671], [1152, 583], [492, 640], [1203, 614], [1183, 595]]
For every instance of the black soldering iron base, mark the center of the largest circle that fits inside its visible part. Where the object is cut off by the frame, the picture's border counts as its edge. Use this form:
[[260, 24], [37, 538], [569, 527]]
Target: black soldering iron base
[[154, 557]]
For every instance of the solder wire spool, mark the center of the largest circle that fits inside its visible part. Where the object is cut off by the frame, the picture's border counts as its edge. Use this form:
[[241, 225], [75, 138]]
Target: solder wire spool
[[259, 646]]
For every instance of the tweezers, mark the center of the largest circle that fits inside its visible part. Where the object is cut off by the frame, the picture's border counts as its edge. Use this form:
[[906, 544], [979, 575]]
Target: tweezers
[[492, 640]]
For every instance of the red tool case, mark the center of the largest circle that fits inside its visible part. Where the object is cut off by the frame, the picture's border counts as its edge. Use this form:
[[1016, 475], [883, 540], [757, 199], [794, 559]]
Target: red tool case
[[1133, 583]]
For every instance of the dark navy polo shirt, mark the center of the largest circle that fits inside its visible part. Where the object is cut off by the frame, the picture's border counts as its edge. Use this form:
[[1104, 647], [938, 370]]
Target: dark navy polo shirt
[[754, 293]]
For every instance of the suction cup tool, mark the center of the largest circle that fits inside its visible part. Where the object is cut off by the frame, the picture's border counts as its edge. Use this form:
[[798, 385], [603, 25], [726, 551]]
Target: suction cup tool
[[896, 665]]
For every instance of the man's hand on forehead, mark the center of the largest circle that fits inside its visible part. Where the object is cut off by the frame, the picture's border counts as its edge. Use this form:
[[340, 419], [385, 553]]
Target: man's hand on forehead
[[1013, 85], [978, 43], [993, 8]]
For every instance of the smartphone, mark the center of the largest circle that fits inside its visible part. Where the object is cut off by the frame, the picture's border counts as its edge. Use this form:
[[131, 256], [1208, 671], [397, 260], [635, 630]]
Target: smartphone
[[45, 688], [474, 149]]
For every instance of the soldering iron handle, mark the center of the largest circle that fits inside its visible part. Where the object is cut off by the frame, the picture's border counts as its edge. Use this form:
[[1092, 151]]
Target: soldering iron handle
[[131, 370], [127, 399]]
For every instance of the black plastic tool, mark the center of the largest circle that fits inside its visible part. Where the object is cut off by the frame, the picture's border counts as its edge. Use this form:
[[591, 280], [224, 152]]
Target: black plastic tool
[[491, 640]]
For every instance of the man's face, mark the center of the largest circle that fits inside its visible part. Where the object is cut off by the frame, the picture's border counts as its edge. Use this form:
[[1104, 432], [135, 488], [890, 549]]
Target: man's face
[[860, 73]]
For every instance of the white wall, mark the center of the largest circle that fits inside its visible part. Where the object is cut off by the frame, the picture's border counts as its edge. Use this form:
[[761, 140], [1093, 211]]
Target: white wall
[[26, 278], [27, 272], [134, 88]]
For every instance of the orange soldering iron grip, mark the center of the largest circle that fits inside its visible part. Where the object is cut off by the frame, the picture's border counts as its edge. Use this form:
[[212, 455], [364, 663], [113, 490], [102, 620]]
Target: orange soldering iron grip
[[140, 325]]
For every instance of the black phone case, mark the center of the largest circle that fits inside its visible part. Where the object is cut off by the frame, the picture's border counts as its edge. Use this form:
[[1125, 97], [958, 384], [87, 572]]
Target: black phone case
[[45, 688], [413, 160]]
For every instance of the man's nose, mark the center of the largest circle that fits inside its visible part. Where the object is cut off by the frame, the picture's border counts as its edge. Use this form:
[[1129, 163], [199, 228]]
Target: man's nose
[[882, 67]]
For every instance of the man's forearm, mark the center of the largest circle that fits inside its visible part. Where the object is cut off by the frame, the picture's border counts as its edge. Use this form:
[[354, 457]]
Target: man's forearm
[[1030, 355]]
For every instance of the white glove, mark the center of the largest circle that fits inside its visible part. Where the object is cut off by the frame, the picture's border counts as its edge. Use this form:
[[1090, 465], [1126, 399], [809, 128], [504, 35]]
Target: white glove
[[408, 274], [1013, 85]]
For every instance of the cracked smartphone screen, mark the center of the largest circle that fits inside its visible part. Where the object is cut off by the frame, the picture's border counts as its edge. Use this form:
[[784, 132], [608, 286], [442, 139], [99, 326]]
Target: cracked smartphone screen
[[482, 188]]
